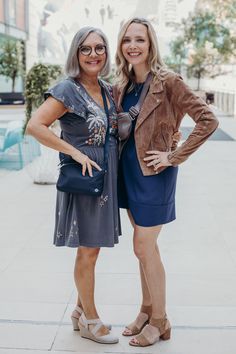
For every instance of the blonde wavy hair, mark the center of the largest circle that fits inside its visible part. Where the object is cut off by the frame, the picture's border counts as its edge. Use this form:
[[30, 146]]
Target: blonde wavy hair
[[124, 71]]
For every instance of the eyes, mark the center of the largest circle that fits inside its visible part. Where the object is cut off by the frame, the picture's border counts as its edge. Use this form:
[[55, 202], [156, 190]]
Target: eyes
[[128, 40], [99, 49]]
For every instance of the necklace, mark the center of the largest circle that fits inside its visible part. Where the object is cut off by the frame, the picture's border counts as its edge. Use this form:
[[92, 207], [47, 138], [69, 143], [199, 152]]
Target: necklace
[[137, 88]]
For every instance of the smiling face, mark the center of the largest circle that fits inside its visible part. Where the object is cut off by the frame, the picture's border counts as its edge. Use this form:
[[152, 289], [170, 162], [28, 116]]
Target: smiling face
[[93, 63], [135, 45]]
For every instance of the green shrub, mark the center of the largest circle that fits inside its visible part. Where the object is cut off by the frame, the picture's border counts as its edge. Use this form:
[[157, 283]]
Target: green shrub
[[39, 78]]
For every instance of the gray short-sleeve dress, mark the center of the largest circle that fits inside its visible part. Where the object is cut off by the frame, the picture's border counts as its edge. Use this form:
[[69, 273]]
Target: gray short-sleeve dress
[[87, 220]]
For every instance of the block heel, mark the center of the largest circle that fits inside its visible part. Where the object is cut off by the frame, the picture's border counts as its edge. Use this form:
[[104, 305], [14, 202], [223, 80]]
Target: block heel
[[75, 323], [166, 335]]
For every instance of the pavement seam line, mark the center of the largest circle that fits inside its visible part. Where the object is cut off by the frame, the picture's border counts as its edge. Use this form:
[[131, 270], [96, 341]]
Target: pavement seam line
[[60, 323]]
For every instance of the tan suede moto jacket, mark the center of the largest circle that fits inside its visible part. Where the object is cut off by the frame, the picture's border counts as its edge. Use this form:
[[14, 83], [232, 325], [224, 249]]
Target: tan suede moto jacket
[[164, 107]]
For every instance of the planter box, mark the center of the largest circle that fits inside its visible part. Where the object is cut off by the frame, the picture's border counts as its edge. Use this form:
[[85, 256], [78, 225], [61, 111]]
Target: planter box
[[11, 98]]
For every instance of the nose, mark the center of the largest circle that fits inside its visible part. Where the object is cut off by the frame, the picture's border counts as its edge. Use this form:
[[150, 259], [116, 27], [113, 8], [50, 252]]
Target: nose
[[93, 53], [132, 45]]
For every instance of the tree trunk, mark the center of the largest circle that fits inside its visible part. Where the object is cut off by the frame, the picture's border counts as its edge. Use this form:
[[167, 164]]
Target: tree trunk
[[14, 76], [13, 84], [198, 80]]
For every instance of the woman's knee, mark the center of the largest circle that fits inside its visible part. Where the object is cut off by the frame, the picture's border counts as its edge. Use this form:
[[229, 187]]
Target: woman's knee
[[140, 250], [87, 255]]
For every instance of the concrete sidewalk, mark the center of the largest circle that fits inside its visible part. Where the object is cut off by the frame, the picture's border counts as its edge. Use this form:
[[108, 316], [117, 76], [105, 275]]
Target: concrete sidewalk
[[37, 293]]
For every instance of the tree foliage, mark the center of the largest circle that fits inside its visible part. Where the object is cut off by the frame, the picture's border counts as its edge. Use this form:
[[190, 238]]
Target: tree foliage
[[11, 60], [178, 54], [224, 10], [204, 45], [38, 80], [203, 27]]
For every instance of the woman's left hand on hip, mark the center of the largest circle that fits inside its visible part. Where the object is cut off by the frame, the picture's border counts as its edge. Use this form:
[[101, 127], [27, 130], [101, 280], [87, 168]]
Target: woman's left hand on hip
[[157, 159]]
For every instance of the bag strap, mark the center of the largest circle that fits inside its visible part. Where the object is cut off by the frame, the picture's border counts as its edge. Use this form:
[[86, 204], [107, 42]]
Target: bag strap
[[108, 88], [106, 146], [134, 110]]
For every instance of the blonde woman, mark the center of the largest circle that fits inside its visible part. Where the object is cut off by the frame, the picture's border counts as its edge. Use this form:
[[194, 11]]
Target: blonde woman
[[149, 164]]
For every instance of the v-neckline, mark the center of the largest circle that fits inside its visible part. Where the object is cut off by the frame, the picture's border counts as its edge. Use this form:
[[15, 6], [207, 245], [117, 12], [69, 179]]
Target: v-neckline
[[87, 93]]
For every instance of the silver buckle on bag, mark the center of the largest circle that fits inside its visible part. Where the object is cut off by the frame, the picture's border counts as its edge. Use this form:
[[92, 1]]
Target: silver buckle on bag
[[133, 112]]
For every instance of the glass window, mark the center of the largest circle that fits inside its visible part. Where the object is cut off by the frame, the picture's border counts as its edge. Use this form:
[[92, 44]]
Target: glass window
[[12, 12]]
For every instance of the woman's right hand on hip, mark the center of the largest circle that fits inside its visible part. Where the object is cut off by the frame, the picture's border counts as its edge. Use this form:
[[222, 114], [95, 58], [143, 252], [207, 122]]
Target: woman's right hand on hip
[[86, 162]]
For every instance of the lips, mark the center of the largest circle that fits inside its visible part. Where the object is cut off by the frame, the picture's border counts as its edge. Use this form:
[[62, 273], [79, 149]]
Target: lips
[[94, 62], [134, 54]]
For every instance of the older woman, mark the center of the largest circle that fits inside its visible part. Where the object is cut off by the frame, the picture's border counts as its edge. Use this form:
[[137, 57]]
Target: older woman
[[149, 163], [83, 221]]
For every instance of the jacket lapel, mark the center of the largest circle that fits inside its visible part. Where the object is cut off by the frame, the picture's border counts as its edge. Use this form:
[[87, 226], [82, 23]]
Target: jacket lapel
[[152, 101]]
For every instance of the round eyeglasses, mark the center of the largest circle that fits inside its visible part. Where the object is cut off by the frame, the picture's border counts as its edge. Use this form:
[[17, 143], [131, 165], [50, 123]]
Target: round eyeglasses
[[86, 50]]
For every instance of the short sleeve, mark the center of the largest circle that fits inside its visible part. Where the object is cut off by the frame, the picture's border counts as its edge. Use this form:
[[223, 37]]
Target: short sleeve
[[66, 93]]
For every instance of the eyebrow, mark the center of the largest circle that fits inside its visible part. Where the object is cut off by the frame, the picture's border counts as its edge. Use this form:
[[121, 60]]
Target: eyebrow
[[88, 45], [128, 37]]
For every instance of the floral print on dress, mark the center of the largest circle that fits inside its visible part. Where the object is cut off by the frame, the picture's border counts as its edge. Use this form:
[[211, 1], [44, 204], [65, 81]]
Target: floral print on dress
[[78, 101], [97, 137], [103, 200], [96, 119], [59, 234]]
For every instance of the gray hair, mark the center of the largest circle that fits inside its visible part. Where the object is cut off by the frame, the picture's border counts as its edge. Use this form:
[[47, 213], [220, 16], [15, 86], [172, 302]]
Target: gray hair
[[72, 67]]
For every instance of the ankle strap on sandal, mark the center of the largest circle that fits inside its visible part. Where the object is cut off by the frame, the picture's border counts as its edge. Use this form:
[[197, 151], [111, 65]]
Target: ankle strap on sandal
[[160, 323], [85, 322], [78, 309]]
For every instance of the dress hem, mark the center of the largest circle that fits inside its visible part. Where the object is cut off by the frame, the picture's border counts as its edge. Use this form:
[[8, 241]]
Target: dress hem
[[87, 245], [161, 223], [155, 215]]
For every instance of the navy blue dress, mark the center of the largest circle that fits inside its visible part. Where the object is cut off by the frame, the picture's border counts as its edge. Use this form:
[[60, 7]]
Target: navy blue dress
[[150, 199]]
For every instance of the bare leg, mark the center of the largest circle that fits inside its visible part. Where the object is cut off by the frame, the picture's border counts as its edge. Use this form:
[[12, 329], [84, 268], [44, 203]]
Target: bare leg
[[146, 249], [79, 303], [146, 307], [84, 274], [146, 301], [78, 310]]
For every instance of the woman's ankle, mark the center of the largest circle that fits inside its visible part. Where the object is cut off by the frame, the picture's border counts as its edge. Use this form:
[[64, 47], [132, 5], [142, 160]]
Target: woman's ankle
[[146, 309], [161, 323], [158, 314], [90, 314]]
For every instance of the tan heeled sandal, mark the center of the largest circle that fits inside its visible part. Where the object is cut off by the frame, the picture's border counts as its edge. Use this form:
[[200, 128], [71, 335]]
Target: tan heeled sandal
[[75, 316], [91, 333], [157, 329], [140, 322]]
